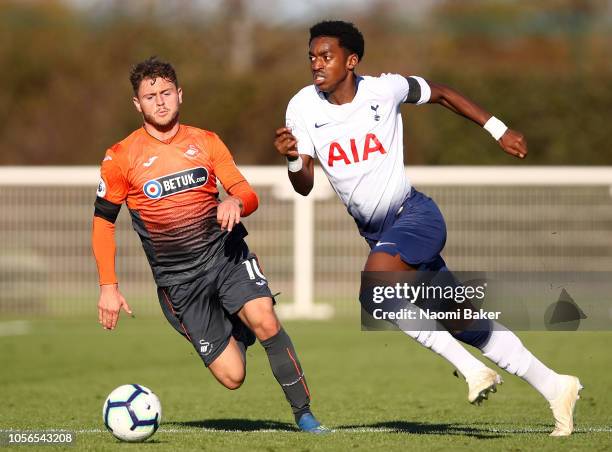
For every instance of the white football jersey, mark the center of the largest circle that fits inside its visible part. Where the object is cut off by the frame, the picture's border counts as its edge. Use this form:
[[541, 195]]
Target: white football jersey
[[359, 145]]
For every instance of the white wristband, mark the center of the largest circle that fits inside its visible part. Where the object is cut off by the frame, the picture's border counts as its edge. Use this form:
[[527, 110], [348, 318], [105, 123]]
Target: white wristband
[[294, 165], [495, 127]]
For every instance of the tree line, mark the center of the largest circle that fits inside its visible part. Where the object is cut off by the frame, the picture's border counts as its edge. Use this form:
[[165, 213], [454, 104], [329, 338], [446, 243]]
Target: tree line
[[66, 97]]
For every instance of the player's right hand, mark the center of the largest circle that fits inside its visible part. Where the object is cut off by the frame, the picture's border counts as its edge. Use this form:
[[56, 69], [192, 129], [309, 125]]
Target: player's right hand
[[286, 144], [109, 304]]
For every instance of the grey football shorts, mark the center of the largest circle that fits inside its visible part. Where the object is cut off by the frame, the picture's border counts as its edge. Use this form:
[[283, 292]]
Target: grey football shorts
[[204, 310]]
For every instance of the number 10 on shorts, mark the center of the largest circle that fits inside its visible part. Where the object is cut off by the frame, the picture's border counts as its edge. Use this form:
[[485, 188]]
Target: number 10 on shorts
[[253, 269]]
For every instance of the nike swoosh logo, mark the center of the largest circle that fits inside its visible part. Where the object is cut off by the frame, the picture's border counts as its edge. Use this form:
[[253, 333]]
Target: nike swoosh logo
[[384, 243], [149, 162], [320, 125]]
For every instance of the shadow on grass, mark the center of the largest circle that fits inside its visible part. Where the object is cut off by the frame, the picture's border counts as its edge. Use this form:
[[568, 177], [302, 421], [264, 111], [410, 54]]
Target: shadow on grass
[[422, 428], [417, 428], [238, 425]]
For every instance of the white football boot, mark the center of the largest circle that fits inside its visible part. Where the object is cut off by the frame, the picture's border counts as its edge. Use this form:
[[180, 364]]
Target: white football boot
[[481, 383], [563, 406]]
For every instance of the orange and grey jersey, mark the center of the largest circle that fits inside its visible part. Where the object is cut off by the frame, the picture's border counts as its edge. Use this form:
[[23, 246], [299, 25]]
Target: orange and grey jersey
[[170, 189]]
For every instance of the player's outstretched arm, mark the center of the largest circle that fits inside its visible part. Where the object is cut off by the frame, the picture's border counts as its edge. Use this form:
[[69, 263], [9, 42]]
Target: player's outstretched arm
[[110, 301], [511, 141], [300, 166]]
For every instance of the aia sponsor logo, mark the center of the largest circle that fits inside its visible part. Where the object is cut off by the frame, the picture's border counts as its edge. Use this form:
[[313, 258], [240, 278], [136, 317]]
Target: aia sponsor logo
[[371, 145], [175, 183]]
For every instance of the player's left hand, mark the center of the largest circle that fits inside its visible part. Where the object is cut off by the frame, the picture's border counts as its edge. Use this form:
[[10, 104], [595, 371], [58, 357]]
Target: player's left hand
[[111, 301], [228, 213], [513, 143]]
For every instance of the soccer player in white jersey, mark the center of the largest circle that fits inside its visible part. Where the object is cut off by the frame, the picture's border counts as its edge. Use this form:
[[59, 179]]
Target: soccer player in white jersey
[[353, 125]]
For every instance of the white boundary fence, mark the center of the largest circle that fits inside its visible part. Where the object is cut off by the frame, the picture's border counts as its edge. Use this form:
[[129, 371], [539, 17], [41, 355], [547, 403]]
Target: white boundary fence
[[481, 179]]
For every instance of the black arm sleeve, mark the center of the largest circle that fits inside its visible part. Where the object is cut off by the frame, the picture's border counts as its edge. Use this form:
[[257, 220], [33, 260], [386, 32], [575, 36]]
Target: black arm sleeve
[[106, 209], [414, 91]]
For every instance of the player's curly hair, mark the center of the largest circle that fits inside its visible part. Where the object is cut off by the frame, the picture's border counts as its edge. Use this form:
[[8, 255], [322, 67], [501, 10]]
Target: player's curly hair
[[348, 35], [152, 68]]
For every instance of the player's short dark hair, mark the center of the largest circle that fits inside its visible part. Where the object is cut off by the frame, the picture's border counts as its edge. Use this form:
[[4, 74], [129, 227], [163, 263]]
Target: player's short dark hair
[[349, 37], [152, 68]]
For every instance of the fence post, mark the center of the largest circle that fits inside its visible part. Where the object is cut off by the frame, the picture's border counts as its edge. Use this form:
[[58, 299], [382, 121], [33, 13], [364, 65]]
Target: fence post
[[303, 306]]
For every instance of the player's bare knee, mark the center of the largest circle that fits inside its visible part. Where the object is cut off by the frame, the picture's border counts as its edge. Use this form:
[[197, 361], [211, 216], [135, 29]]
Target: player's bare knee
[[266, 327], [233, 381], [269, 328], [261, 319], [232, 385]]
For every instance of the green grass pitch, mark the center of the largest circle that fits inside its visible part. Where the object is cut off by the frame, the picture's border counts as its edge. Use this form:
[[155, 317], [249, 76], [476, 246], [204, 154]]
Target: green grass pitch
[[378, 390]]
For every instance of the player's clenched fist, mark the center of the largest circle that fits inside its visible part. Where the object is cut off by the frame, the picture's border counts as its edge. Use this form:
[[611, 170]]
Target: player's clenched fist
[[286, 144], [228, 213], [109, 304], [514, 143]]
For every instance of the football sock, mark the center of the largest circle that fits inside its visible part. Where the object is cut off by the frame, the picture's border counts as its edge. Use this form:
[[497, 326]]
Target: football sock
[[506, 350], [447, 346], [288, 372], [431, 334]]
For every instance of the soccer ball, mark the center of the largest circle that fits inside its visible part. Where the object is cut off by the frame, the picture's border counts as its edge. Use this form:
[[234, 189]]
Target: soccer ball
[[132, 413]]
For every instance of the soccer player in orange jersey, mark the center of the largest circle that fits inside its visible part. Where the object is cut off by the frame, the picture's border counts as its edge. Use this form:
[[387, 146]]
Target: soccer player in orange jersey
[[210, 286]]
